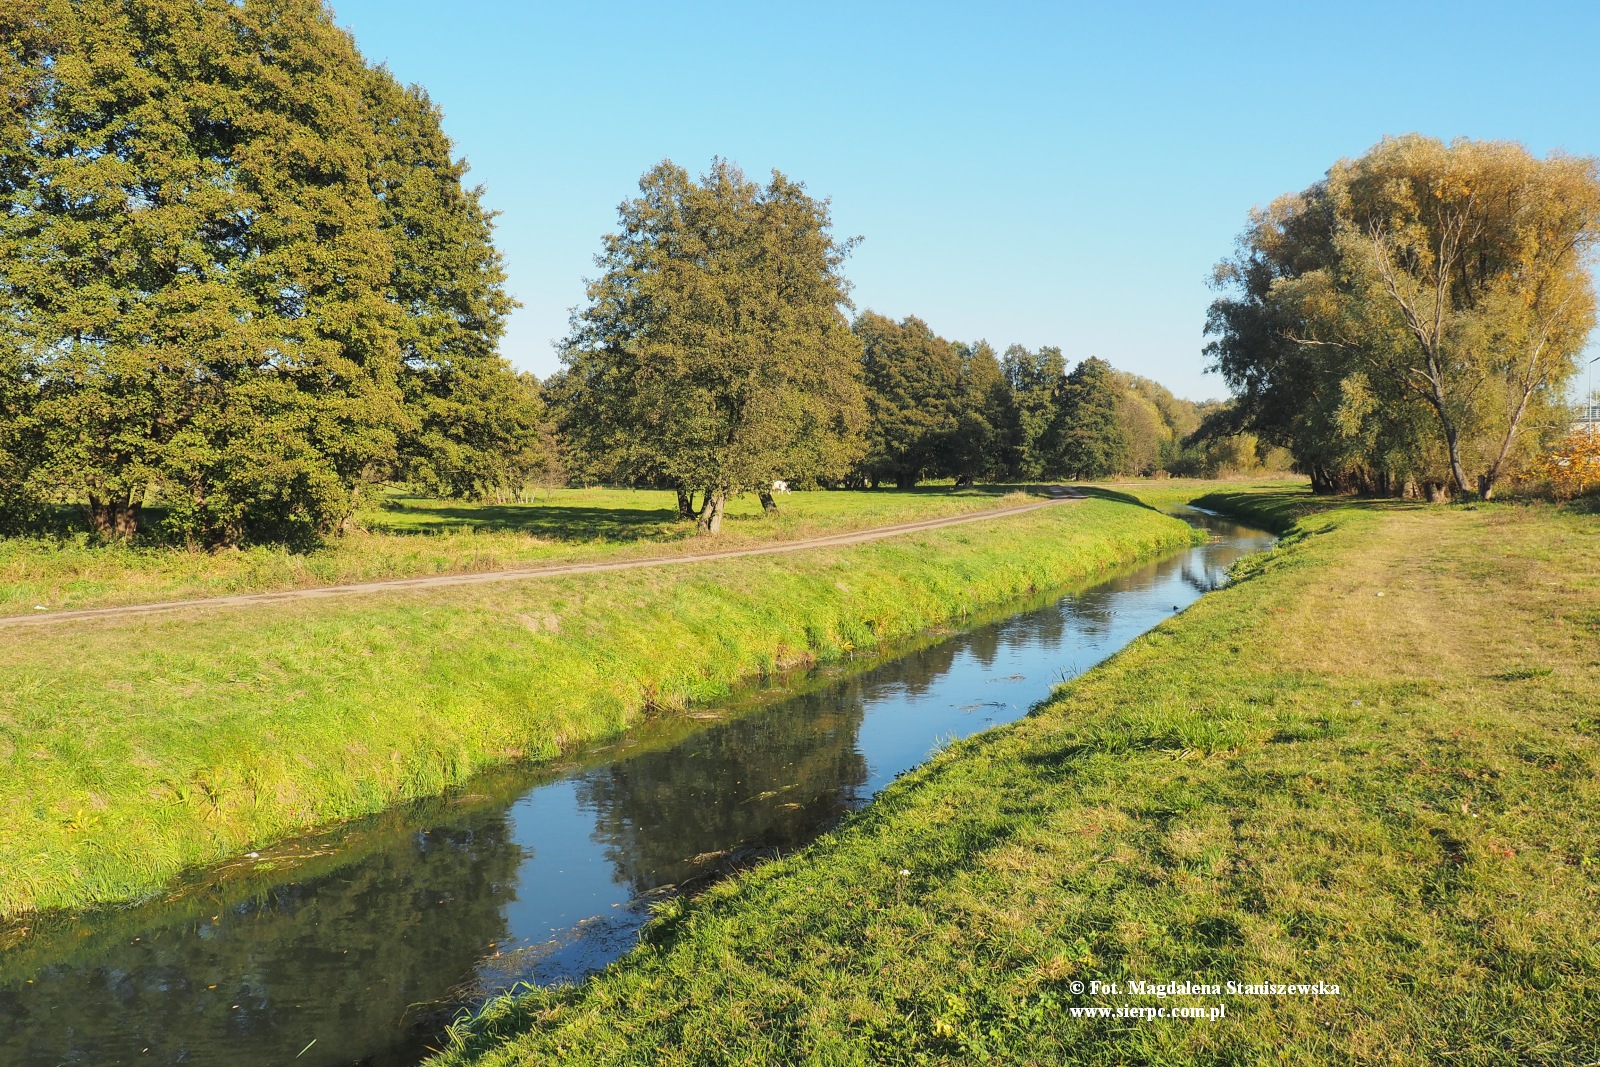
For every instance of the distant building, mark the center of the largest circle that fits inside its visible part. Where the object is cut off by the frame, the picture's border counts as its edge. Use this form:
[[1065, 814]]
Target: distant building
[[1588, 418]]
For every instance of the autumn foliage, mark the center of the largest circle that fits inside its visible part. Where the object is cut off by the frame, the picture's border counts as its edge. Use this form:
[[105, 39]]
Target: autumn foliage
[[1573, 465]]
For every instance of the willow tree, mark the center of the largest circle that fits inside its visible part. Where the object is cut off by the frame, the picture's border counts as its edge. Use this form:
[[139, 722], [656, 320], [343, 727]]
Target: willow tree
[[1412, 314], [713, 354]]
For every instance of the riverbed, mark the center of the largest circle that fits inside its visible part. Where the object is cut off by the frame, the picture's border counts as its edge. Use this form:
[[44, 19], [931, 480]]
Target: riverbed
[[357, 946]]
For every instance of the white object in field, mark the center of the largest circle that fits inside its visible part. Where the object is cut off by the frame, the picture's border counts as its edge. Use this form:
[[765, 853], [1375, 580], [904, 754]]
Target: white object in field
[[780, 486]]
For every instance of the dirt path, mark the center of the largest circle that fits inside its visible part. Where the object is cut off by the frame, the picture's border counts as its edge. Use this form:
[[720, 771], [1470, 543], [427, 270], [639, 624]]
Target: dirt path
[[438, 581]]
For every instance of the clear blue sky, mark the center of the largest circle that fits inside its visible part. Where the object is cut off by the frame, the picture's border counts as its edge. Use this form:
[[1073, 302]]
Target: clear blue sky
[[1035, 173]]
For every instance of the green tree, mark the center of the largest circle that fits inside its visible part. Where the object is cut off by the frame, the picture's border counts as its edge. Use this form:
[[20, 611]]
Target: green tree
[[713, 354], [472, 426], [1035, 378], [193, 250], [22, 46], [913, 380], [227, 245], [985, 417], [1086, 439]]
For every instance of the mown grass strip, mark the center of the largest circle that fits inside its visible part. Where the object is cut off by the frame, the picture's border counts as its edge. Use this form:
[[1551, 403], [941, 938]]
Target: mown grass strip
[[1373, 762], [135, 748], [405, 537], [705, 554]]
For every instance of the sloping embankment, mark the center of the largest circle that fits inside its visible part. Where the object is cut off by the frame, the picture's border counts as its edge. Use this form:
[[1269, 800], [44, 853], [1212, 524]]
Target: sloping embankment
[[1368, 770], [140, 746]]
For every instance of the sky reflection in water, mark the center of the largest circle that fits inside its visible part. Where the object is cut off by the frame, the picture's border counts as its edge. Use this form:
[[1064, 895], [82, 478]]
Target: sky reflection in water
[[355, 947]]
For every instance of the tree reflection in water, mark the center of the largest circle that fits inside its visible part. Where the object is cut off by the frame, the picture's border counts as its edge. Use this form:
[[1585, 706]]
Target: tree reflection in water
[[363, 960], [359, 949], [763, 784]]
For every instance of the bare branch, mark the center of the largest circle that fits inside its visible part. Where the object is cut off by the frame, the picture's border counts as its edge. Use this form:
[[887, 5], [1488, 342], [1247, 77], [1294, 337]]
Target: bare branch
[[1313, 341]]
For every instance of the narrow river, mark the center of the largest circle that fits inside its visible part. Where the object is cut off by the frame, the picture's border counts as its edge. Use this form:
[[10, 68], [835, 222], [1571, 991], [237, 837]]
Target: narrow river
[[356, 947]]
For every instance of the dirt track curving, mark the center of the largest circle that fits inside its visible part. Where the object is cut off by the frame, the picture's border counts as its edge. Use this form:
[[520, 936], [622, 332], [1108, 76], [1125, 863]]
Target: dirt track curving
[[438, 581]]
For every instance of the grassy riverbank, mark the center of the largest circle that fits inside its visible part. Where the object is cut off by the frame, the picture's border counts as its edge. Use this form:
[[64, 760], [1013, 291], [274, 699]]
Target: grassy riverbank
[[135, 748], [404, 537], [1373, 762]]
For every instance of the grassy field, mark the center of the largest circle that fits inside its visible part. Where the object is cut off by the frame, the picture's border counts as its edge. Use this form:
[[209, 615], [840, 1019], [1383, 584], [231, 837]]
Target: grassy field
[[137, 747], [403, 537], [1372, 762]]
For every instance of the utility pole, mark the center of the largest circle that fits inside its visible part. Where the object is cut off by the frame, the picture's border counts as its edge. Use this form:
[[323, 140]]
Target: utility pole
[[1589, 418]]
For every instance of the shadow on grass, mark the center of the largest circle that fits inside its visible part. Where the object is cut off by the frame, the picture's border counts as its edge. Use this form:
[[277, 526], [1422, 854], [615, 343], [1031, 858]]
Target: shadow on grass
[[1100, 493], [1279, 509], [987, 489], [554, 522], [561, 522]]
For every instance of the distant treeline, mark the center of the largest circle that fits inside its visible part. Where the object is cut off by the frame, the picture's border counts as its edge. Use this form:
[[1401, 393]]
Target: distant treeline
[[943, 409], [714, 357], [940, 409]]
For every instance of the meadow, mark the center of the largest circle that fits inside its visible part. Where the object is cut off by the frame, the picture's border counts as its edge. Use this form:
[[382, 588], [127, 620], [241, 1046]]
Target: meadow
[[138, 747], [1372, 762], [400, 536]]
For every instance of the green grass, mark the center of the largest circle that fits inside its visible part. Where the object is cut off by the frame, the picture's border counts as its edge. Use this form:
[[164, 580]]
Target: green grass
[[403, 537], [134, 748], [1372, 761], [1249, 492]]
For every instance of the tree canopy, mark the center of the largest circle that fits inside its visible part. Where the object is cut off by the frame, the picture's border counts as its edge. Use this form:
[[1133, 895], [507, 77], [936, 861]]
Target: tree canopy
[[944, 409], [713, 355], [1407, 319], [1088, 439], [1035, 378], [913, 379], [239, 275]]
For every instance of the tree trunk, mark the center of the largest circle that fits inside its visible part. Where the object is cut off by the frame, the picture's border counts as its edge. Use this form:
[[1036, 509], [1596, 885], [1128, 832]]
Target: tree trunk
[[710, 521], [114, 519], [1452, 437], [905, 481], [768, 505], [685, 504], [1486, 482], [1452, 434]]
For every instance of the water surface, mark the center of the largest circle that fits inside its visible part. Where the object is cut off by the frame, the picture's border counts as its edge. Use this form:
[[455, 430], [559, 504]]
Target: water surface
[[356, 947]]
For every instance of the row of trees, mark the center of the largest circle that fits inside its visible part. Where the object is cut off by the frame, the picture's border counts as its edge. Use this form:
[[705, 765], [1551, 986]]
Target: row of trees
[[241, 279], [946, 409], [714, 356], [240, 276], [1410, 323]]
